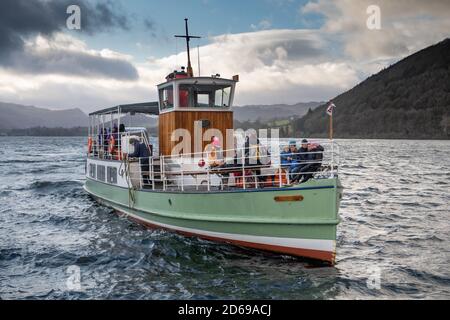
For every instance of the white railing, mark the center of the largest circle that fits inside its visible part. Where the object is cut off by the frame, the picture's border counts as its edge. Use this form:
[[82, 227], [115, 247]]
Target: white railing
[[243, 168], [101, 144]]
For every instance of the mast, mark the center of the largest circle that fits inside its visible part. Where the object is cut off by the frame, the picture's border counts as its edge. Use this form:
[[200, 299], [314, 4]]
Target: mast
[[190, 72]]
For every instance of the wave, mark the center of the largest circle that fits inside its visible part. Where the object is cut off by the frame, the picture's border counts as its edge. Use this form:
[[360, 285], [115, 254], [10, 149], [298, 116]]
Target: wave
[[426, 276], [5, 193], [9, 254], [44, 185], [13, 161], [392, 217]]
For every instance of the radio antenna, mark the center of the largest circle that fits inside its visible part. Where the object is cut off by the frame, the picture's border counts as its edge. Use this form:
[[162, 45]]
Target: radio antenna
[[198, 59], [190, 72]]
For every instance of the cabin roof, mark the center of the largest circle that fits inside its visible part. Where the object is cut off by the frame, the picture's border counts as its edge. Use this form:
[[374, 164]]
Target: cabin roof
[[202, 79], [145, 107]]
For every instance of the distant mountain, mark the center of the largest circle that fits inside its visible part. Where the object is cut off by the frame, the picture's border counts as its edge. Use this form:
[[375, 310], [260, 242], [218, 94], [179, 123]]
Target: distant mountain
[[139, 120], [15, 116], [271, 112], [410, 99]]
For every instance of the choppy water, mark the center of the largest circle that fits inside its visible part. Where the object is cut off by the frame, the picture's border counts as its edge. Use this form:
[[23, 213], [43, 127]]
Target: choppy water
[[395, 228]]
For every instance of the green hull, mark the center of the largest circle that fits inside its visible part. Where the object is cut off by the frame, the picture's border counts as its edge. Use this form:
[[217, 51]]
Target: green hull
[[250, 218]]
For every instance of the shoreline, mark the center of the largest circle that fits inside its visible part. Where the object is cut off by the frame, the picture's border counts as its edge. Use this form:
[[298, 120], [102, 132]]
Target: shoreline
[[312, 138]]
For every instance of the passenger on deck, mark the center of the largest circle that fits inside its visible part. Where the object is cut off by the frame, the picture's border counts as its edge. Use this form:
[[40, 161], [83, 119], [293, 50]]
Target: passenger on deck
[[284, 156], [237, 153], [301, 156], [121, 130], [105, 142], [115, 133], [251, 150], [214, 153], [312, 163], [289, 154], [100, 143], [253, 154], [303, 151], [141, 151]]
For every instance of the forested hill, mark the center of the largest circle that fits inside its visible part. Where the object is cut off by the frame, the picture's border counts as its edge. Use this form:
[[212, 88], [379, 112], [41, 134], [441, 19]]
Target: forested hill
[[410, 99], [15, 116]]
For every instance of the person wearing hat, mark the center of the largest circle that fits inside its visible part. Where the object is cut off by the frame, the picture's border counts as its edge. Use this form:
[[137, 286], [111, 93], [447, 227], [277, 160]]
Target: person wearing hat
[[312, 162], [301, 157], [143, 153], [289, 154], [214, 153]]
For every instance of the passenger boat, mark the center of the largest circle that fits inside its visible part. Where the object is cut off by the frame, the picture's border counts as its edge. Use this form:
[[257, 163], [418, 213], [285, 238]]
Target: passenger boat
[[244, 197]]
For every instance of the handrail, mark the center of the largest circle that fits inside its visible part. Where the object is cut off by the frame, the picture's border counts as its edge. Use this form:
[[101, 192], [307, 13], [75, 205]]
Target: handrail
[[241, 168]]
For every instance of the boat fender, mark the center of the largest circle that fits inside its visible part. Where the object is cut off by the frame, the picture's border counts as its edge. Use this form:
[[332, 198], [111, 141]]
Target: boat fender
[[89, 145]]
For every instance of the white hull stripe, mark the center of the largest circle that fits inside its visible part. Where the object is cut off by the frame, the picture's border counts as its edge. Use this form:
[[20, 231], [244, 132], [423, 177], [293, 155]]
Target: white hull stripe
[[311, 244]]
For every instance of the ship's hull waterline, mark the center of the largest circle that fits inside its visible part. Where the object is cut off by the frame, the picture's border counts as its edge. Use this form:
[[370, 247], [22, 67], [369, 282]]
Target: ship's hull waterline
[[268, 219]]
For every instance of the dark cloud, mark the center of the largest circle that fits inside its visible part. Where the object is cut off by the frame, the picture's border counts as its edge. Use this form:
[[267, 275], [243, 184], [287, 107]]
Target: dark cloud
[[149, 24], [22, 19], [295, 50], [57, 61], [155, 30], [302, 48], [104, 16], [150, 27]]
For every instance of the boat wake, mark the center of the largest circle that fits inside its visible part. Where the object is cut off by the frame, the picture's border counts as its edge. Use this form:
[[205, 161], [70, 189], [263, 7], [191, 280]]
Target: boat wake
[[48, 223]]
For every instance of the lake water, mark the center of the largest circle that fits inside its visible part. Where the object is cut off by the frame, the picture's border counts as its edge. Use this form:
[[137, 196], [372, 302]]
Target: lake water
[[393, 241]]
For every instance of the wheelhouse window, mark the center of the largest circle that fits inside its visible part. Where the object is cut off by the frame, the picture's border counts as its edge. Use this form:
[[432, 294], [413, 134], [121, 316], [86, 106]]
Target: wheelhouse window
[[166, 98], [204, 96]]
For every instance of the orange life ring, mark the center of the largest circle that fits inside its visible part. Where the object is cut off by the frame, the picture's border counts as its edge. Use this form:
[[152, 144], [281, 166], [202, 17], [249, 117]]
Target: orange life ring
[[112, 144], [89, 145]]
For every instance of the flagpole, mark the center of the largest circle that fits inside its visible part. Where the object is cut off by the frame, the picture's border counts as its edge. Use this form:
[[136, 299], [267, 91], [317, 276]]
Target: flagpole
[[331, 137], [331, 126]]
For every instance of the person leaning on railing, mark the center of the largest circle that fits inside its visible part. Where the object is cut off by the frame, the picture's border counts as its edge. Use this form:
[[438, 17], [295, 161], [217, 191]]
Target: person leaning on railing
[[313, 162], [105, 141], [299, 156], [254, 152], [141, 151]]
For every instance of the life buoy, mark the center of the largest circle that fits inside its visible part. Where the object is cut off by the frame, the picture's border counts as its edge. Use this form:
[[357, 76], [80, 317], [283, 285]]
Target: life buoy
[[275, 179], [112, 145], [89, 145]]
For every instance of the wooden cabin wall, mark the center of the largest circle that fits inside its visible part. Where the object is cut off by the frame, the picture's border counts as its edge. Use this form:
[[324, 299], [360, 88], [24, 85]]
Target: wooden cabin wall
[[168, 122]]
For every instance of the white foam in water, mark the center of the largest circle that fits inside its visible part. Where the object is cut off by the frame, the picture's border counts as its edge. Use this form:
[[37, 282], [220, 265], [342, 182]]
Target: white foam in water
[[392, 242]]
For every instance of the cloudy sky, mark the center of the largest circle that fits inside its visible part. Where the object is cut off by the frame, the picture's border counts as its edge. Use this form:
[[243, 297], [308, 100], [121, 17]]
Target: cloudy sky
[[285, 51]]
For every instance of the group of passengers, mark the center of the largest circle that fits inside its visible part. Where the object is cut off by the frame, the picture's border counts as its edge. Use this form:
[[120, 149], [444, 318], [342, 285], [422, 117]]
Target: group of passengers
[[107, 139], [302, 162], [109, 143], [252, 153]]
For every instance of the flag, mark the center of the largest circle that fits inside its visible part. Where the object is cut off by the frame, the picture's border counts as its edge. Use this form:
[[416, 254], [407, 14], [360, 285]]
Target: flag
[[330, 109]]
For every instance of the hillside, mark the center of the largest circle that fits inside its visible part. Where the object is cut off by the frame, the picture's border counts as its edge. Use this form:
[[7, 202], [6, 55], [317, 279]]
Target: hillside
[[410, 99], [271, 112], [15, 116]]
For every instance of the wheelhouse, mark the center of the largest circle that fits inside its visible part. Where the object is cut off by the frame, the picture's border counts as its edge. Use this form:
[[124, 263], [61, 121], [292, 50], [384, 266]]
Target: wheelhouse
[[195, 94], [195, 106]]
